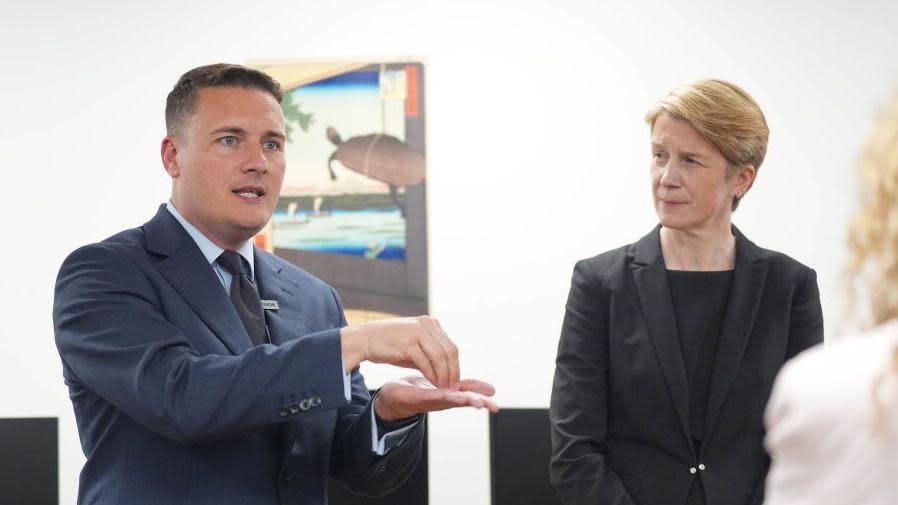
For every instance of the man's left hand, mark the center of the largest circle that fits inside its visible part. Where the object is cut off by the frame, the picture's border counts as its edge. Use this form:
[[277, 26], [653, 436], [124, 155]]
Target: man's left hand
[[410, 396]]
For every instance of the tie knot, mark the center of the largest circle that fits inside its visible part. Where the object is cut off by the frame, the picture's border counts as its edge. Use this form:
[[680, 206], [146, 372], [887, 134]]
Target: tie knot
[[232, 262]]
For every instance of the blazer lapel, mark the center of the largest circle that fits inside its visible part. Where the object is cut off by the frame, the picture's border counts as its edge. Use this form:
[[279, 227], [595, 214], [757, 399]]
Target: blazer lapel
[[650, 277], [749, 278], [187, 270]]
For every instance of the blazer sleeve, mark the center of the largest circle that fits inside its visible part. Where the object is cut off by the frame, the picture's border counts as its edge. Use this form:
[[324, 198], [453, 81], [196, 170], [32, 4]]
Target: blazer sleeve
[[805, 331], [116, 342], [806, 322], [353, 462], [578, 411]]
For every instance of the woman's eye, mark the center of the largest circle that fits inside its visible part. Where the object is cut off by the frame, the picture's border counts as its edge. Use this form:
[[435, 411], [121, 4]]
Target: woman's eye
[[228, 141]]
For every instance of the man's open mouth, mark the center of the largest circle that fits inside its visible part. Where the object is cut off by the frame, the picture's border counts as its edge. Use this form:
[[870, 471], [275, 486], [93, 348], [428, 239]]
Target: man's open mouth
[[249, 192]]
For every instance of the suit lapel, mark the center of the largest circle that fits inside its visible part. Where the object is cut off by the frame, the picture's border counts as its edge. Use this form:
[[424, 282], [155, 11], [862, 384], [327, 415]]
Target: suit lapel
[[650, 277], [187, 270], [273, 286], [749, 278]]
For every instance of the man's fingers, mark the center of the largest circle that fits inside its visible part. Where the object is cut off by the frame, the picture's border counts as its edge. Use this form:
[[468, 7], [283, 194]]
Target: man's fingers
[[449, 348], [451, 352], [474, 401], [477, 386], [489, 403], [438, 359], [422, 363], [480, 401], [456, 398], [469, 399]]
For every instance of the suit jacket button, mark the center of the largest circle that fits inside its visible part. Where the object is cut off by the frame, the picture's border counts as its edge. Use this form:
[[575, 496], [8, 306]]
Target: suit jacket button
[[701, 466], [294, 408], [305, 405], [283, 412], [316, 401], [284, 479], [692, 470]]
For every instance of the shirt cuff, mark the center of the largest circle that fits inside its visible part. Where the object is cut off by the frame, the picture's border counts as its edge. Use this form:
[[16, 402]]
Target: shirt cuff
[[347, 381], [390, 440]]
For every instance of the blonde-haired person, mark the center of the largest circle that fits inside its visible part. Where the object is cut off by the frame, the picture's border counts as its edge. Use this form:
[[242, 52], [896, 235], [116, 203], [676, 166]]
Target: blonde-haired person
[[833, 415], [670, 345]]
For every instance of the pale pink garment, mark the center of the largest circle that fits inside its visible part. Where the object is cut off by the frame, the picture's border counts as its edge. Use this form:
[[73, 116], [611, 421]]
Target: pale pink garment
[[820, 425]]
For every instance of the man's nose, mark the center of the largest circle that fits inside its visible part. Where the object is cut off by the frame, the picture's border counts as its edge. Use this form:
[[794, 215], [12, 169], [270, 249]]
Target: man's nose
[[255, 160]]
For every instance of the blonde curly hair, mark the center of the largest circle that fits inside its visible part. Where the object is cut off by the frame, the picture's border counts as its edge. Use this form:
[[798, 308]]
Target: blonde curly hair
[[872, 267]]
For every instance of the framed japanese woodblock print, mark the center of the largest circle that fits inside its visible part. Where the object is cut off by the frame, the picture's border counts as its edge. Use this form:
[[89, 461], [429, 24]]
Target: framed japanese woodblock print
[[353, 209]]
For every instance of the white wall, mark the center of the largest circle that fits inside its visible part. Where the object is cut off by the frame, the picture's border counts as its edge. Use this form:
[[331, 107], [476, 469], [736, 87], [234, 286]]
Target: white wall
[[537, 153]]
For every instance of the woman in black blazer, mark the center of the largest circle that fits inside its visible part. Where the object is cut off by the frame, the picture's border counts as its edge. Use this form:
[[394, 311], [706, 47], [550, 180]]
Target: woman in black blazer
[[670, 345]]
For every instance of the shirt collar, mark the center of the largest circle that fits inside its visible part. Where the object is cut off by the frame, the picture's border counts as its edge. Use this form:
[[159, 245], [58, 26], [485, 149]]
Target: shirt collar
[[209, 249]]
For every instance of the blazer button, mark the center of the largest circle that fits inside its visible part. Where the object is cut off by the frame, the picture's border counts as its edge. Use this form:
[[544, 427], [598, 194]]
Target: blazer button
[[316, 401], [294, 408], [283, 412], [692, 470], [701, 466], [305, 405]]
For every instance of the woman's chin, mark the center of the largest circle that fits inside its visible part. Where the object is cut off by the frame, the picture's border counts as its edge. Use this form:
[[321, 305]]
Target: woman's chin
[[671, 220]]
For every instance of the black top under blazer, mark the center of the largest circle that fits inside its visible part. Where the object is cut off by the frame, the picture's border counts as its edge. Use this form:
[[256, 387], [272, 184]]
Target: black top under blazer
[[619, 411]]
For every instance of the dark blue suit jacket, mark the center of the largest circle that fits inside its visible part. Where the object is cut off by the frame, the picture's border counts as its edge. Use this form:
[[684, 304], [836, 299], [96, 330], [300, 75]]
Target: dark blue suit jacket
[[175, 406]]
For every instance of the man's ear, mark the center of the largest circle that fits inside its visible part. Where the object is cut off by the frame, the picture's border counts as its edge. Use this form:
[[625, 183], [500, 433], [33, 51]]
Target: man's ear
[[169, 153]]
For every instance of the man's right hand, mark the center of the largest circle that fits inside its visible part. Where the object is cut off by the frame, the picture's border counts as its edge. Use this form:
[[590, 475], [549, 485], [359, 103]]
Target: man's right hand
[[409, 342]]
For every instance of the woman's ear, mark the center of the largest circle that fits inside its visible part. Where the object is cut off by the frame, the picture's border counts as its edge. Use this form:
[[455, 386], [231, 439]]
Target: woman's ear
[[744, 179]]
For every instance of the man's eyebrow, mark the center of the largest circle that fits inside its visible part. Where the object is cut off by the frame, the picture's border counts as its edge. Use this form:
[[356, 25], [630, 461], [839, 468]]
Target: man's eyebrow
[[275, 133], [240, 131], [228, 129]]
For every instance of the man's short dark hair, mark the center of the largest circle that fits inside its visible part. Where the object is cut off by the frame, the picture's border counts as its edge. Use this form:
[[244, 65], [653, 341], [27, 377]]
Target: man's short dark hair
[[181, 102]]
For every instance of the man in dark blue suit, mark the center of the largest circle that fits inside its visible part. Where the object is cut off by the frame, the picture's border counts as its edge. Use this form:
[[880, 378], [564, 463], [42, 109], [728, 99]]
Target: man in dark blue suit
[[205, 371]]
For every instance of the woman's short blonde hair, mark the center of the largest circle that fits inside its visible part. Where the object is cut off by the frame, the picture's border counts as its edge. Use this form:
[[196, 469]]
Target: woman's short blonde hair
[[724, 114]]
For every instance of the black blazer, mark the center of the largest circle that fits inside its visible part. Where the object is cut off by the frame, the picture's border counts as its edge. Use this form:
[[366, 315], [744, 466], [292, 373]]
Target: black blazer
[[619, 409]]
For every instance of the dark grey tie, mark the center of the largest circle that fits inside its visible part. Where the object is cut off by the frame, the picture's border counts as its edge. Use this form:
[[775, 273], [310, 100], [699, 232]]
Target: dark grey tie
[[245, 297]]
